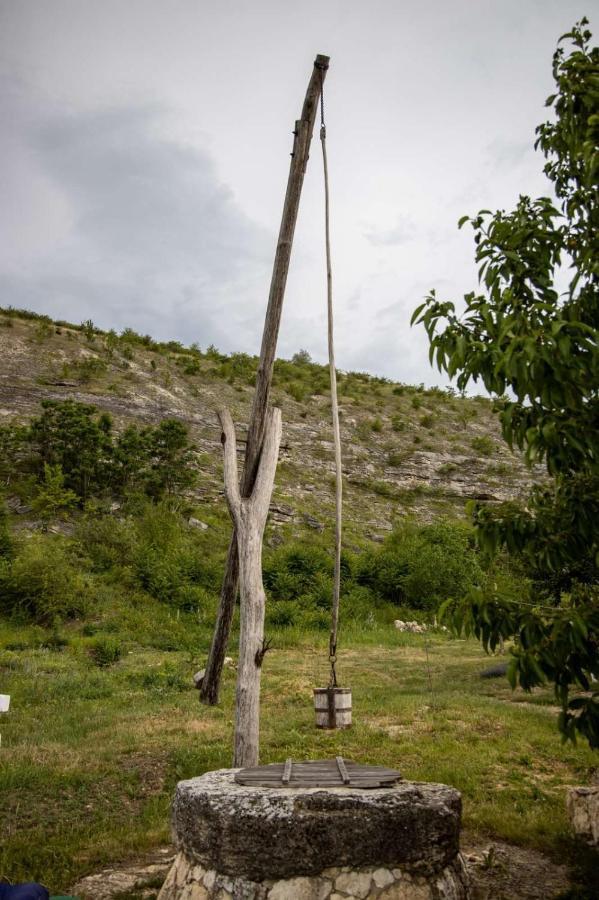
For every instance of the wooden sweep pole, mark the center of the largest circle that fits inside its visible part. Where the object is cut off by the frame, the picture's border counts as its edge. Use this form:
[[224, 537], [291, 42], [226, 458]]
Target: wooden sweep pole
[[304, 128], [249, 515]]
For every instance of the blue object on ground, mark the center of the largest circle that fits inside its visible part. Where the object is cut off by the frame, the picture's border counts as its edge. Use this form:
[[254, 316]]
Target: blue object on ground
[[29, 891]]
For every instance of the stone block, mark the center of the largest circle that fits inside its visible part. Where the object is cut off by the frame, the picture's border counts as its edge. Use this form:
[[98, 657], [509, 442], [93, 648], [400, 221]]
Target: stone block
[[262, 834], [300, 889], [583, 810], [355, 883], [382, 878]]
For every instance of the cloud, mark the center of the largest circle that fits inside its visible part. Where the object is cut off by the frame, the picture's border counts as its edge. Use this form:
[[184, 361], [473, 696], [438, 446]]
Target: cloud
[[149, 237], [401, 233]]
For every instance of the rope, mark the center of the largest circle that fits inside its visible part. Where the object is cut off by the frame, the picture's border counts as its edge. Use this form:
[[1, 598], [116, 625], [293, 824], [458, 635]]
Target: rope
[[334, 408]]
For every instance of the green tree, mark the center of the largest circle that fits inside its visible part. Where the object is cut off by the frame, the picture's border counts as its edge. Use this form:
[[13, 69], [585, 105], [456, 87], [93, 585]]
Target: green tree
[[13, 442], [519, 335], [171, 455], [130, 459], [52, 497], [5, 541], [72, 436]]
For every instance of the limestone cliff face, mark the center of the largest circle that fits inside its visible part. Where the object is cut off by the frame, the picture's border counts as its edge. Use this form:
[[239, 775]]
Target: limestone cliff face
[[406, 451]]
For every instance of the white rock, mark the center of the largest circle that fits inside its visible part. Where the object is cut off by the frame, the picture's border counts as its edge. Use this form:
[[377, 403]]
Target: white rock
[[405, 891], [209, 879], [356, 883], [382, 878], [193, 891], [195, 523], [300, 889]]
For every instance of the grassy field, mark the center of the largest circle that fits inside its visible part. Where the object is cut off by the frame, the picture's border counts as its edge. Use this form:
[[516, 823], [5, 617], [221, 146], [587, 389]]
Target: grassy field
[[90, 755]]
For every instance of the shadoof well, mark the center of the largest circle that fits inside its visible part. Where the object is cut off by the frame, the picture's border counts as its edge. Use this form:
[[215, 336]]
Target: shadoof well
[[249, 501], [321, 829]]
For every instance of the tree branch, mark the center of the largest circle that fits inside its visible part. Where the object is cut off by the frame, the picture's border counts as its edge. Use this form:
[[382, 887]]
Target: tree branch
[[229, 443]]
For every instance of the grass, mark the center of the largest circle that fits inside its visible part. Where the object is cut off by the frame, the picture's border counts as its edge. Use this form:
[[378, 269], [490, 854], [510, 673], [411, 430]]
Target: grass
[[90, 756]]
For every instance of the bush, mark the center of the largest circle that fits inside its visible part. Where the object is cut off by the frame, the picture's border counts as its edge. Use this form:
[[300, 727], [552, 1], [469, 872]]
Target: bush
[[105, 651], [170, 560], [483, 444], [422, 566], [107, 541], [41, 582]]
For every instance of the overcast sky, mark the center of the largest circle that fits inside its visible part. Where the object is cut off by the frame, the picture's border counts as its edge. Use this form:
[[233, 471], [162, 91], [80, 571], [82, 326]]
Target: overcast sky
[[144, 154]]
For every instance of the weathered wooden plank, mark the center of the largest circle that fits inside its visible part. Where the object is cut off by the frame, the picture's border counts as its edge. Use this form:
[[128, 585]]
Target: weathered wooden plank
[[342, 770], [319, 773], [287, 771]]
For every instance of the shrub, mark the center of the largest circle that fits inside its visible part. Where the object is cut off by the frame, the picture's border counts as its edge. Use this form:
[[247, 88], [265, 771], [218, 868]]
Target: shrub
[[170, 561], [107, 541], [422, 566], [395, 458], [483, 444], [105, 651], [297, 391], [41, 582]]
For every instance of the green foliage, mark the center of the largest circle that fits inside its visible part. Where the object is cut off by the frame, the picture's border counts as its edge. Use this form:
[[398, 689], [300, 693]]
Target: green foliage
[[301, 358], [108, 542], [89, 329], [75, 438], [483, 445], [52, 498], [13, 446], [171, 561], [105, 651], [170, 459], [5, 539], [42, 582], [520, 335], [71, 435], [86, 370], [421, 566]]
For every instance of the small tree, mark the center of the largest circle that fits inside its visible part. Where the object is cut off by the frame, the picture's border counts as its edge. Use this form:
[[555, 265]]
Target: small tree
[[52, 497], [301, 358], [171, 455], [68, 434], [522, 337]]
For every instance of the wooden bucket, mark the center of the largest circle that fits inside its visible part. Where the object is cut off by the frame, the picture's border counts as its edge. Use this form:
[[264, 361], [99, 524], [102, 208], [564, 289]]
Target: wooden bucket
[[332, 707]]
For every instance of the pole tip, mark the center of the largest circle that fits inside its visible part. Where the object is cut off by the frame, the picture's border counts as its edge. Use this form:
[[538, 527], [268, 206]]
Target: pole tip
[[321, 61]]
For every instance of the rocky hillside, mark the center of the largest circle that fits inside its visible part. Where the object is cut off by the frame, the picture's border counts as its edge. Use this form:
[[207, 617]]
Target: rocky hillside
[[407, 451]]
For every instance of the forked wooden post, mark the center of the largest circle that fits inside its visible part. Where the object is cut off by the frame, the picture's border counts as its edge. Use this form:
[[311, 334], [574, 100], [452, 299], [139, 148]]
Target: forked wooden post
[[304, 128], [249, 516]]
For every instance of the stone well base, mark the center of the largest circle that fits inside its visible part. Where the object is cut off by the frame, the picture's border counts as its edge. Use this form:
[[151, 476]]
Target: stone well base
[[240, 842], [189, 881]]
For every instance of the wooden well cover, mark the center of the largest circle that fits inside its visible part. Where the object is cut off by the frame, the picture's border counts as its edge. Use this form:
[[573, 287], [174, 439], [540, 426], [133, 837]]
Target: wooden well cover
[[336, 772]]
